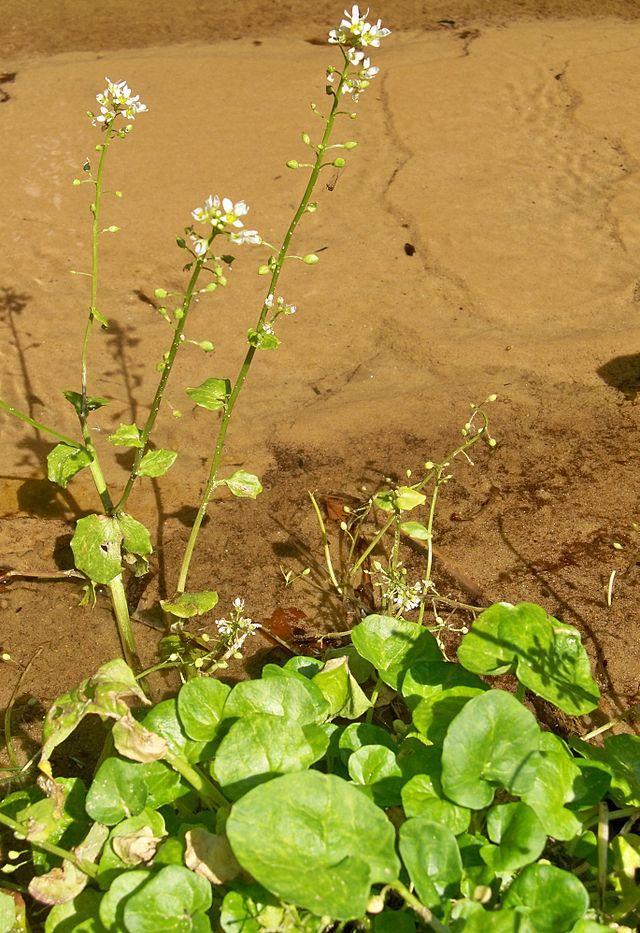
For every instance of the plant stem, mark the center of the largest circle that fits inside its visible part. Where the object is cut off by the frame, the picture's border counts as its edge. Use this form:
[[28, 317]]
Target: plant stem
[[123, 622], [95, 241], [207, 791], [162, 384], [86, 867], [39, 425], [244, 369], [325, 543], [423, 912]]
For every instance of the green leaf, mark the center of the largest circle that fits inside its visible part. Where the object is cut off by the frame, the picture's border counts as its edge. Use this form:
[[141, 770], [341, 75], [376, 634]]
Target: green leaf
[[415, 530], [361, 669], [393, 646], [432, 858], [212, 394], [200, 704], [518, 834], [314, 840], [163, 784], [126, 435], [496, 921], [250, 909], [156, 462], [358, 734], [300, 664], [422, 796], [259, 747], [392, 921], [187, 605], [164, 720], [117, 792], [486, 746], [295, 699], [135, 537], [621, 757], [342, 691], [549, 657], [428, 678], [64, 461], [113, 903], [77, 916], [407, 498], [118, 855], [244, 485], [173, 899], [374, 767], [7, 913], [93, 401], [551, 899], [551, 775], [96, 547], [433, 716]]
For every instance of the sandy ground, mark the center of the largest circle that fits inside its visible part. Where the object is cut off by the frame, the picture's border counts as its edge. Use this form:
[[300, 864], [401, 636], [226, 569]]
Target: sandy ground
[[505, 151]]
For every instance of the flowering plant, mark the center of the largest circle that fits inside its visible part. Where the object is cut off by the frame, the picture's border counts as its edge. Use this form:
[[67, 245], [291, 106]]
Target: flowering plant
[[110, 544]]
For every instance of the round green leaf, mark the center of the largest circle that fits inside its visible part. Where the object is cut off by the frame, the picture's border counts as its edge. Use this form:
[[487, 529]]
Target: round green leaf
[[156, 462], [164, 720], [486, 746], [118, 791], [407, 498], [187, 605], [79, 915], [300, 664], [549, 657], [551, 775], [170, 902], [375, 768], [314, 840], [428, 678], [518, 834], [96, 547], [422, 796], [200, 704], [257, 748], [244, 485], [113, 903], [552, 900], [431, 856], [7, 912], [135, 537], [64, 461], [294, 698], [393, 646], [358, 734], [341, 690], [432, 716], [415, 530]]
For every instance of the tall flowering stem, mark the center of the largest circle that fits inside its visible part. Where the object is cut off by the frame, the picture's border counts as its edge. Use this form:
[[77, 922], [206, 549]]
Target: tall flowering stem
[[244, 369]]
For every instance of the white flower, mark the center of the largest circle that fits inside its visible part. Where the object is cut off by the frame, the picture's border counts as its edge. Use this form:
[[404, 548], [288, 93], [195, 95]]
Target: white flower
[[246, 236], [117, 100], [356, 32], [238, 604], [268, 302], [222, 213], [200, 244], [355, 84]]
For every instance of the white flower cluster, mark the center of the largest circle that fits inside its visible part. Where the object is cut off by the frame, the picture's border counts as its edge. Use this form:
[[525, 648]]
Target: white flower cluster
[[279, 305], [117, 100], [238, 627], [224, 217], [356, 35]]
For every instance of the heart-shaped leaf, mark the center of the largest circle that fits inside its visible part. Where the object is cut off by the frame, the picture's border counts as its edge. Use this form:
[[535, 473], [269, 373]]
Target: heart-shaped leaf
[[126, 435], [187, 605], [117, 791], [96, 547], [518, 834], [393, 646], [431, 856], [552, 900], [171, 896], [64, 461], [244, 485], [156, 462], [375, 769], [200, 704], [212, 394], [297, 699]]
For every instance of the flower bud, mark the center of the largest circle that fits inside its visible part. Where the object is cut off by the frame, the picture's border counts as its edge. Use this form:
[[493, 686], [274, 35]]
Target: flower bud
[[311, 259], [160, 293], [112, 229], [351, 144], [118, 194], [76, 182], [293, 163], [492, 398], [375, 905], [306, 139], [339, 162], [312, 208], [206, 345], [263, 270]]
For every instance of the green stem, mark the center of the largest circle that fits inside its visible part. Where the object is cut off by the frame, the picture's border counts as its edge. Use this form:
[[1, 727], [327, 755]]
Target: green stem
[[244, 369], [39, 425], [385, 528], [21, 830], [325, 543], [95, 241], [123, 622], [423, 912], [162, 384], [208, 792]]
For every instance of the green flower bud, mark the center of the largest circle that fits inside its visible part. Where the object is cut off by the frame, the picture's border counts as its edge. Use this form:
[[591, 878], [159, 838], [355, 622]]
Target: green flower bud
[[113, 228], [293, 163], [118, 194], [311, 259], [263, 270], [206, 345], [339, 162], [161, 293], [306, 139], [312, 208], [351, 144], [76, 182]]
